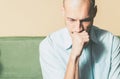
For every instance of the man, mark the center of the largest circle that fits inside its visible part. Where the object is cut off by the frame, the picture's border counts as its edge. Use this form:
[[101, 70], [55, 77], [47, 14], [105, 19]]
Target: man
[[81, 50]]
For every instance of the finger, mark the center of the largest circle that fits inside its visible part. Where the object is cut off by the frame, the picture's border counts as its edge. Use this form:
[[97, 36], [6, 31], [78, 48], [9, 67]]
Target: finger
[[84, 36], [86, 39]]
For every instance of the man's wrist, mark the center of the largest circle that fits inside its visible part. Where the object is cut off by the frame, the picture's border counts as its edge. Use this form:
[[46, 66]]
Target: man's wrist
[[74, 57]]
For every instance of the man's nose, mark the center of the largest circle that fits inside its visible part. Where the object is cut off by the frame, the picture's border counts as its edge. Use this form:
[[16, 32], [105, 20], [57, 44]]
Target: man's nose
[[79, 27]]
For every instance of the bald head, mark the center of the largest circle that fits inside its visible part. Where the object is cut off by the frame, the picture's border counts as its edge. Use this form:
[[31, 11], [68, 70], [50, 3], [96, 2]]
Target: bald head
[[76, 2]]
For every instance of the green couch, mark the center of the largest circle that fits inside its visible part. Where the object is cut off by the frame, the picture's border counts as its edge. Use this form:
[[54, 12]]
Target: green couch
[[19, 58]]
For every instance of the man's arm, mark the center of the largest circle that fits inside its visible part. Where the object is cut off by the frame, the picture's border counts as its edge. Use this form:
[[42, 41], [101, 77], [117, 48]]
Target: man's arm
[[77, 70], [78, 40], [115, 60], [72, 68]]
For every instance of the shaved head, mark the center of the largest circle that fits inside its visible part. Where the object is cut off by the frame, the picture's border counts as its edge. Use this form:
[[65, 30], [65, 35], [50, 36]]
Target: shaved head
[[92, 2], [78, 4]]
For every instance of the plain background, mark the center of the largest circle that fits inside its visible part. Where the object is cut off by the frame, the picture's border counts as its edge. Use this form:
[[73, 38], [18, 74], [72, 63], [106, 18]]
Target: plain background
[[42, 17]]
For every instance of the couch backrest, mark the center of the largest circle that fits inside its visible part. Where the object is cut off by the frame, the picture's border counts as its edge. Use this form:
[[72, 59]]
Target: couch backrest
[[19, 58]]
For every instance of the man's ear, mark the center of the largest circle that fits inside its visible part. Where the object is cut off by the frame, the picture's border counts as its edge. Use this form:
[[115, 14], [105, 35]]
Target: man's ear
[[95, 11]]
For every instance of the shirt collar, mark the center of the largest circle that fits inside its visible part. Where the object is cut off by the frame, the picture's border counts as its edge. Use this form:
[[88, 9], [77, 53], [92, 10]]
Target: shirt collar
[[68, 39], [93, 36]]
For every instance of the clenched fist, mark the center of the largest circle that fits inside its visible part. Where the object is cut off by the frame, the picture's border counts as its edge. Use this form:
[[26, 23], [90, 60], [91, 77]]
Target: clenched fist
[[78, 41]]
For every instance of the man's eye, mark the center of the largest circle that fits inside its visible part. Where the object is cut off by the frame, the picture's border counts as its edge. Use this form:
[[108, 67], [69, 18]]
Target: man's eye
[[72, 20]]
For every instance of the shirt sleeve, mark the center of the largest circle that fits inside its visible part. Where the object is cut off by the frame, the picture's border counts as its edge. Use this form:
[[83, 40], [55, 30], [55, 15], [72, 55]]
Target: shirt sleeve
[[49, 61], [115, 60]]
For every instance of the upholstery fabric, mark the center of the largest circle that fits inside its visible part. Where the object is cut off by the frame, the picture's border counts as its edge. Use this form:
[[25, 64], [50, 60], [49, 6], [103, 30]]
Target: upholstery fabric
[[19, 58]]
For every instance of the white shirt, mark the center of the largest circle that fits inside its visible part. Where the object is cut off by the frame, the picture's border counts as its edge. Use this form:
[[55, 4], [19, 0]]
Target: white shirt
[[100, 59]]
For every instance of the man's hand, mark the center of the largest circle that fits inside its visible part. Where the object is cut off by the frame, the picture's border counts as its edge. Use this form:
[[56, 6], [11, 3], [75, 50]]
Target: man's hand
[[78, 41]]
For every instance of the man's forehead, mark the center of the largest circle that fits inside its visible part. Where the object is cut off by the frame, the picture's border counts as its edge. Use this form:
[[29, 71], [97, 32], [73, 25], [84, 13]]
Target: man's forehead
[[76, 3]]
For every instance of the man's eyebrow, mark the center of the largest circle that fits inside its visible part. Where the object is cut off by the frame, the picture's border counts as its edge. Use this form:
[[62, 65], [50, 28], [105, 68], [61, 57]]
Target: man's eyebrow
[[71, 18], [86, 19]]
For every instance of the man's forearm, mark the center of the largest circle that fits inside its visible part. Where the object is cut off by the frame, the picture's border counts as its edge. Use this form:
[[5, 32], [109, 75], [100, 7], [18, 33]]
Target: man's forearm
[[78, 41], [72, 68], [77, 69]]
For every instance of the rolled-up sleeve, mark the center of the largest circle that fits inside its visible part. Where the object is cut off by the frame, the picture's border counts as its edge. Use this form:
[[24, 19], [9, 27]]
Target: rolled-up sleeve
[[115, 59], [50, 65]]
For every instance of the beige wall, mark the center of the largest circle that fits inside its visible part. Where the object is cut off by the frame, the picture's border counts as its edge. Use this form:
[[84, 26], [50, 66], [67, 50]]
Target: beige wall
[[41, 17]]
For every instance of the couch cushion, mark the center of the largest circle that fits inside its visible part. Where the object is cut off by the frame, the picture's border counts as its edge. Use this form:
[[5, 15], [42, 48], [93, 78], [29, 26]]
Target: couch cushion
[[19, 58]]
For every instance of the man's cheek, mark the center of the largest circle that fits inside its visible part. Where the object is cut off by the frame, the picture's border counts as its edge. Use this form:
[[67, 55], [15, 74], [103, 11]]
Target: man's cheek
[[70, 29]]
